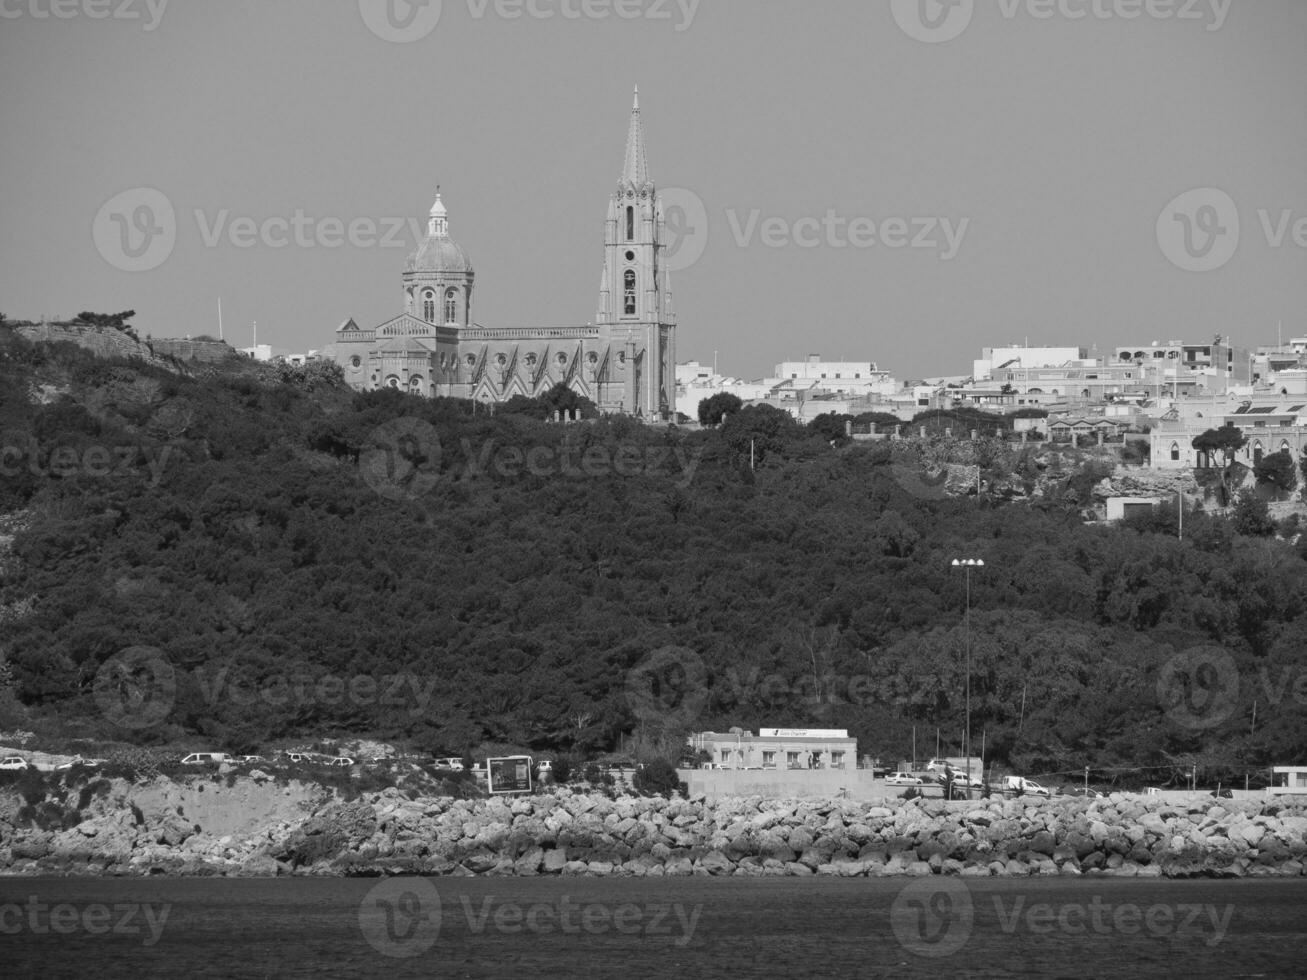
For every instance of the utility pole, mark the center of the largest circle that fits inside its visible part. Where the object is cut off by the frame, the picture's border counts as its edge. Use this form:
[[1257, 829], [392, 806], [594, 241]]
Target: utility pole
[[967, 564]]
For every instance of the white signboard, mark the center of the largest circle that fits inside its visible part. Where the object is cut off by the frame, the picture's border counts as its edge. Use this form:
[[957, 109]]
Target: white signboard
[[803, 733]]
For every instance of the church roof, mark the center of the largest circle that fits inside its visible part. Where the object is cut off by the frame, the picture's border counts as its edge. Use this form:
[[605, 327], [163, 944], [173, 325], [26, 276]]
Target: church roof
[[437, 254], [636, 169]]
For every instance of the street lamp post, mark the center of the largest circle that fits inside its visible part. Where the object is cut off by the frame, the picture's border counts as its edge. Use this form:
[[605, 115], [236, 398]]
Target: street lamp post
[[967, 564]]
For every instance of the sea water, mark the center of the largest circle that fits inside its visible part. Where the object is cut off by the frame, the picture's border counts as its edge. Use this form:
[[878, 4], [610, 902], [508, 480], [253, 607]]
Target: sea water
[[675, 928]]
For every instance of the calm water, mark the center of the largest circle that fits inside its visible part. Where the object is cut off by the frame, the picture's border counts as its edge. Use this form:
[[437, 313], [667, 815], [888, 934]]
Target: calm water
[[679, 928]]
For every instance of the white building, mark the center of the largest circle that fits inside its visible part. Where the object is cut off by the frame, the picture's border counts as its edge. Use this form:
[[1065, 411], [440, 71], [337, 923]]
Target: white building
[[994, 358]]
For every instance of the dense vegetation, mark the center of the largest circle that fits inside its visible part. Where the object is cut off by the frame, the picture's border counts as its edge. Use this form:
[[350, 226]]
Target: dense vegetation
[[285, 542]]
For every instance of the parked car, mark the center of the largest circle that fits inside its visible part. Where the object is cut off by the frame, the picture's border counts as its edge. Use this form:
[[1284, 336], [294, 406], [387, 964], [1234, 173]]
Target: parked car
[[342, 761], [450, 763], [204, 758], [902, 779], [1020, 784], [1089, 794], [960, 779], [1223, 793], [13, 762], [60, 766], [544, 766], [253, 758]]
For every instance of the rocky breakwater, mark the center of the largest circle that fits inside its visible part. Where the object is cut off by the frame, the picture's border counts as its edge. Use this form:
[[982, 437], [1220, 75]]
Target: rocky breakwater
[[200, 826], [265, 829], [589, 835]]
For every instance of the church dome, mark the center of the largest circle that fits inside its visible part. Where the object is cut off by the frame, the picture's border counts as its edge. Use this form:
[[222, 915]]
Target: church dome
[[438, 255], [438, 252]]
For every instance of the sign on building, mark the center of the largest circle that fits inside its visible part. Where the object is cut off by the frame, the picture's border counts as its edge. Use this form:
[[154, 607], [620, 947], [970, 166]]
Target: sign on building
[[803, 733]]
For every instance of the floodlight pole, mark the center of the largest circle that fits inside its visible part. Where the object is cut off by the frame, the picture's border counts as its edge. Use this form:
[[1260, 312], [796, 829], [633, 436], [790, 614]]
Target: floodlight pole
[[967, 564]]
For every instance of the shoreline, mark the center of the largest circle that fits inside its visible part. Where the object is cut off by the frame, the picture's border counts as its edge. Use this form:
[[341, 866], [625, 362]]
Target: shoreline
[[249, 827]]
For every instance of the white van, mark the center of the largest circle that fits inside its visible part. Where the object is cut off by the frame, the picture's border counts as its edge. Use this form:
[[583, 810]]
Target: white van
[[204, 758]]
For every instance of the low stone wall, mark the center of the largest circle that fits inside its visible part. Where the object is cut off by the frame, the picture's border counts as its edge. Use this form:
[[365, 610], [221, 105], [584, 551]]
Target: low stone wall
[[204, 351], [131, 830], [853, 784]]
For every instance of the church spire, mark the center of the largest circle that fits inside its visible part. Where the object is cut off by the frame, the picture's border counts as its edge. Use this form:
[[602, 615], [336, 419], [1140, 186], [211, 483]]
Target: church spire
[[636, 170]]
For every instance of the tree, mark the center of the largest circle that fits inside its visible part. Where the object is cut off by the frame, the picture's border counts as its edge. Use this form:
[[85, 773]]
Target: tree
[[1227, 440], [561, 398], [1252, 516], [830, 426], [880, 421], [761, 431], [318, 373], [658, 776], [712, 409], [1277, 469], [115, 321]]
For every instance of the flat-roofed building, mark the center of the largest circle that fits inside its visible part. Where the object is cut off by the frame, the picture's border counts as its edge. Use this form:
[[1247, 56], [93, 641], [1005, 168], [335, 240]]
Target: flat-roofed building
[[779, 748], [999, 358]]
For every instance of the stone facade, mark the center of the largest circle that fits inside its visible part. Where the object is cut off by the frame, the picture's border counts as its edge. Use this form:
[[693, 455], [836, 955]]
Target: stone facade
[[624, 362]]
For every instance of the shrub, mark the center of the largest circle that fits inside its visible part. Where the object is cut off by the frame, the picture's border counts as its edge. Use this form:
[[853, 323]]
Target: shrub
[[659, 777], [562, 770]]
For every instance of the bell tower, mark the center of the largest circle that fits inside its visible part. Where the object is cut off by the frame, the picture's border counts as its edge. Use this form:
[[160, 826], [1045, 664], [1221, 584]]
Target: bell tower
[[635, 289]]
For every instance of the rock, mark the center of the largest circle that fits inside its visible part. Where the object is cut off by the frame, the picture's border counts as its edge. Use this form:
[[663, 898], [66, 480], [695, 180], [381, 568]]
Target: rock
[[716, 863], [174, 831], [678, 866], [530, 861]]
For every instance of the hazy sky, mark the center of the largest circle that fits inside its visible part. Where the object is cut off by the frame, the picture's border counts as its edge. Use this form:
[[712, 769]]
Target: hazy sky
[[905, 182]]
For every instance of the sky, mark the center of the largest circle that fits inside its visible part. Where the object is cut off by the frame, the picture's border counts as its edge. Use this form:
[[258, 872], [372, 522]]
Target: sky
[[902, 181]]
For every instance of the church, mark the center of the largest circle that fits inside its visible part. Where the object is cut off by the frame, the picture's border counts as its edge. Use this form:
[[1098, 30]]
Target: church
[[624, 362]]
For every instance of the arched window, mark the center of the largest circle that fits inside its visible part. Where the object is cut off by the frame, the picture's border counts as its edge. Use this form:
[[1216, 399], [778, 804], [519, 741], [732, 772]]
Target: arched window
[[1257, 452], [630, 224], [1284, 445], [1175, 452], [628, 293], [429, 306], [451, 306]]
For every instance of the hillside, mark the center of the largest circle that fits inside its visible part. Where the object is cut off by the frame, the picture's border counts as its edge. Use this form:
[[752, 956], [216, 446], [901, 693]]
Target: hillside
[[307, 562]]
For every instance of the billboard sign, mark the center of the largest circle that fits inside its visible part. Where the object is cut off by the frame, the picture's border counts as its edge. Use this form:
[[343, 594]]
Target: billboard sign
[[510, 774]]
